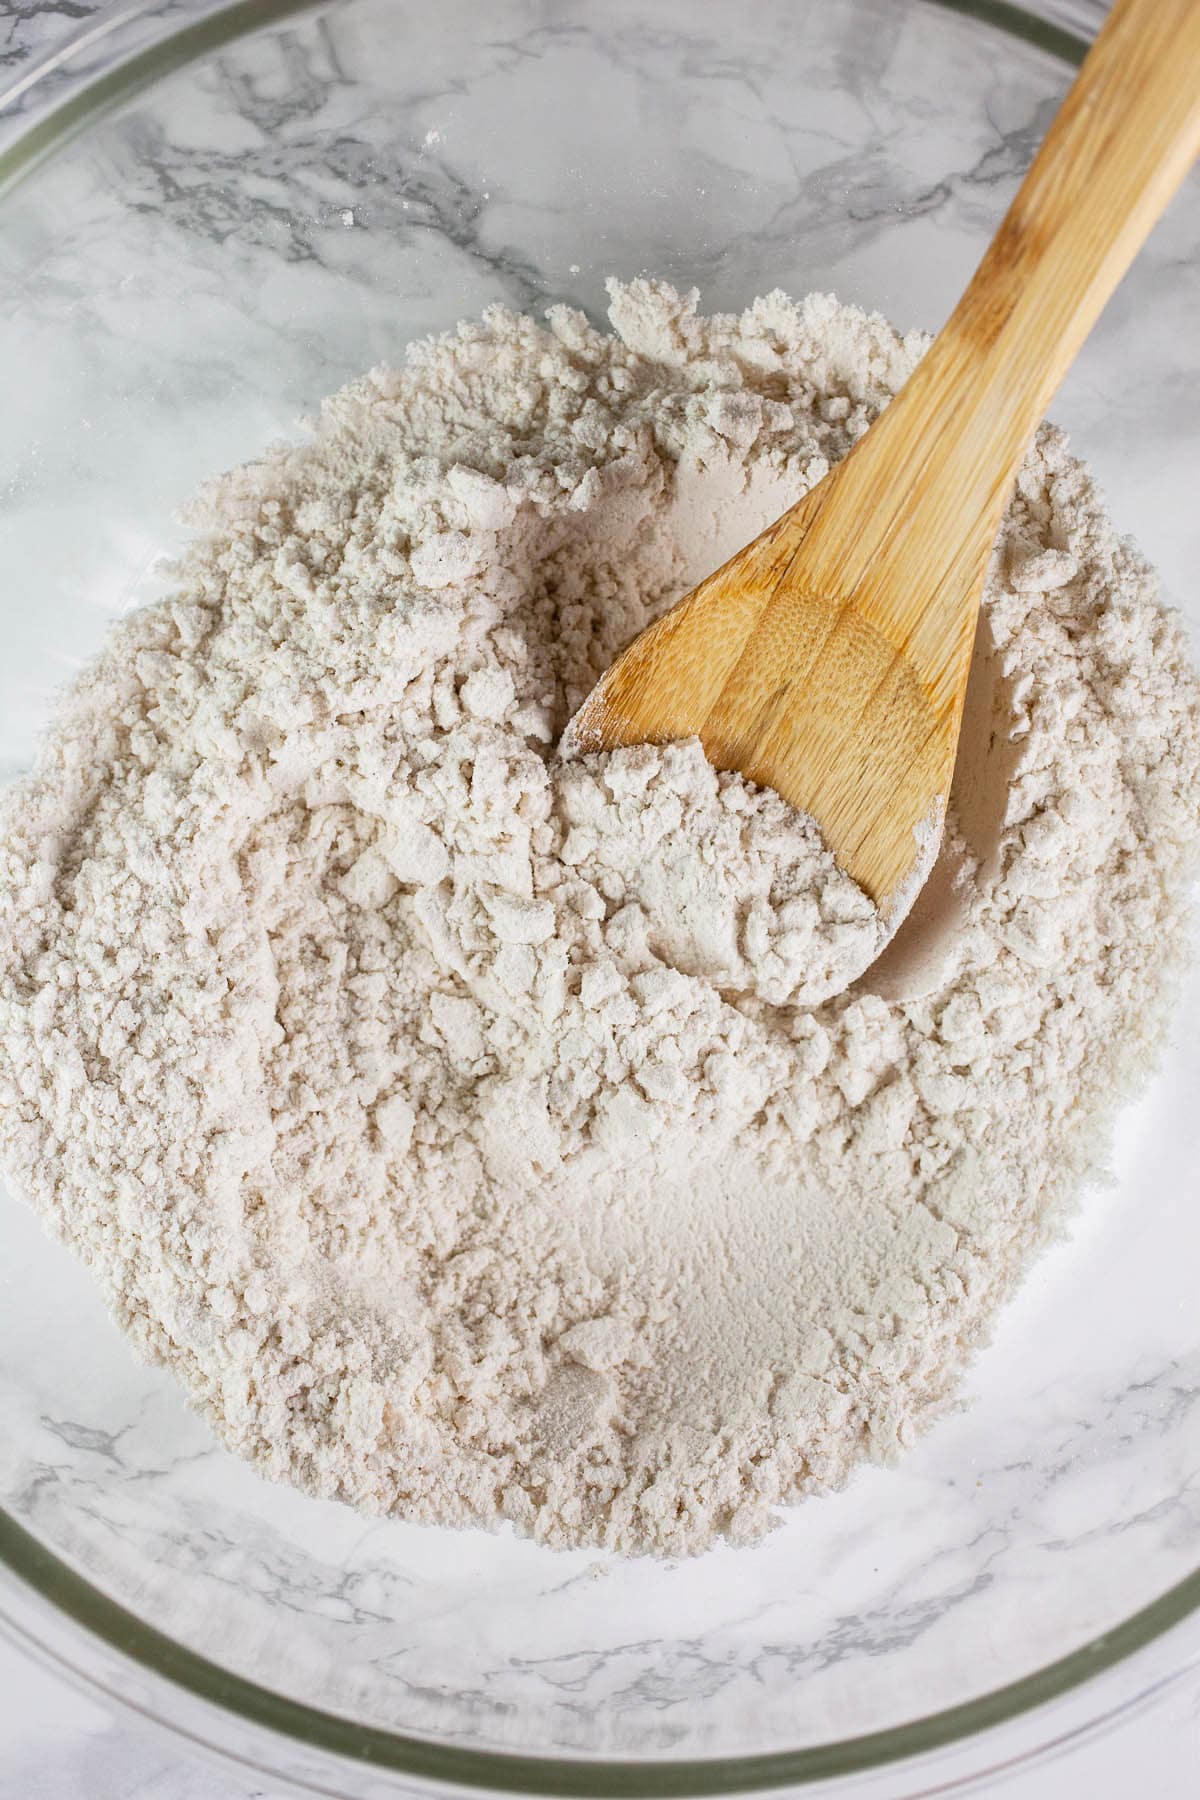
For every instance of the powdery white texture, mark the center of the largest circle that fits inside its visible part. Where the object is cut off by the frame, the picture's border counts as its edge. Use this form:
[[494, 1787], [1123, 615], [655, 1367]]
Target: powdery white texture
[[483, 1138]]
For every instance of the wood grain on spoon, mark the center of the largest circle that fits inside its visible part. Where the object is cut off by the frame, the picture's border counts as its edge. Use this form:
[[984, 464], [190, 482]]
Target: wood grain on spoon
[[829, 659]]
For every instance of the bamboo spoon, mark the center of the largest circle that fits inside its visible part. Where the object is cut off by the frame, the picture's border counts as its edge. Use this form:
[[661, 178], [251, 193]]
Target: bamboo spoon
[[829, 659]]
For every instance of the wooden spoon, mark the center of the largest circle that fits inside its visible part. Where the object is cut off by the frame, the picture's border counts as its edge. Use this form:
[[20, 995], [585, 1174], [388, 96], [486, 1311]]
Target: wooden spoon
[[829, 659]]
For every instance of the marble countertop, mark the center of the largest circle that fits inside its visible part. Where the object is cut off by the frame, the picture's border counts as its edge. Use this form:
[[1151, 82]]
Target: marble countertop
[[57, 1744]]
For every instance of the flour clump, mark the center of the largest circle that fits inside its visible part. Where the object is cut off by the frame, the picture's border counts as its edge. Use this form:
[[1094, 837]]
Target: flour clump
[[484, 1136]]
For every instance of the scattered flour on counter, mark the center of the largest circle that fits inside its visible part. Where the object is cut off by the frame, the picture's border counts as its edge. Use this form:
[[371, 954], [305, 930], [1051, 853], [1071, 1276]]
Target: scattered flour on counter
[[484, 1137]]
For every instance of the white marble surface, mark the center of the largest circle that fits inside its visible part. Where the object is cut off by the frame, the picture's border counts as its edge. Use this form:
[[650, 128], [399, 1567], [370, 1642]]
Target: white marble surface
[[57, 1744]]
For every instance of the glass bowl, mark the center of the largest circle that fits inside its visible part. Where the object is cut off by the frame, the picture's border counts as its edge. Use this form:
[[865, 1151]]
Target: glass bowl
[[211, 216]]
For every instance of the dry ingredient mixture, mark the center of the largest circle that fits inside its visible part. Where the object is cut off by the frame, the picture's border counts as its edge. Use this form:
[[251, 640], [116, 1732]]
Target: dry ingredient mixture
[[480, 1137]]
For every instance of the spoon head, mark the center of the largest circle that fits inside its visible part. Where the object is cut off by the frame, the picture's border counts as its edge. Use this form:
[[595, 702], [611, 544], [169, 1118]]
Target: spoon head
[[797, 691]]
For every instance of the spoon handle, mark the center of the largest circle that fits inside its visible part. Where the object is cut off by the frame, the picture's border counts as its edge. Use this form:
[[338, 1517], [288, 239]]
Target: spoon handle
[[934, 474], [1121, 144]]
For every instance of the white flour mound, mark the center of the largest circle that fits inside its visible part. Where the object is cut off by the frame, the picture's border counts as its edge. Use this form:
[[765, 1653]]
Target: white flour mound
[[482, 1137]]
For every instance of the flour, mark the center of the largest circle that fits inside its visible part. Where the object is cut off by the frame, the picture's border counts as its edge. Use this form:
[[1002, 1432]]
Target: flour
[[480, 1136]]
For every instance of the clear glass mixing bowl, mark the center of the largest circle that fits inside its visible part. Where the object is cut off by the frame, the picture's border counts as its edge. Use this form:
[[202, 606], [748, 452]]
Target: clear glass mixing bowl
[[209, 217]]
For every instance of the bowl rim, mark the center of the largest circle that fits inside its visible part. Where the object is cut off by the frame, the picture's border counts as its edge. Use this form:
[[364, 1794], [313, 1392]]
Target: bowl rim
[[138, 43], [563, 1778]]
